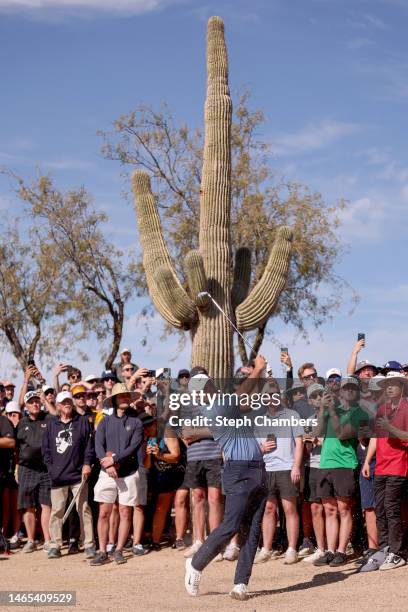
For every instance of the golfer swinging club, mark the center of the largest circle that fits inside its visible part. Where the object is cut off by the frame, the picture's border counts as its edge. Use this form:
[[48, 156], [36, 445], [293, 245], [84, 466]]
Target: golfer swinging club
[[244, 484]]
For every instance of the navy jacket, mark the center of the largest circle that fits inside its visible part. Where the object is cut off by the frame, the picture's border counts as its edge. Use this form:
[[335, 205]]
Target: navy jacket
[[122, 436], [66, 448]]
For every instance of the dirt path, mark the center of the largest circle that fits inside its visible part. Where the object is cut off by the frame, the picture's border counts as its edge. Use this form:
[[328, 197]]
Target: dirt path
[[156, 583]]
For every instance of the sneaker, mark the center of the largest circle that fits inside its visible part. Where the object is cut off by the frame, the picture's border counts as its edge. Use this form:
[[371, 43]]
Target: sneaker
[[306, 549], [155, 546], [138, 550], [100, 558], [190, 552], [291, 556], [325, 560], [263, 555], [90, 552], [14, 542], [371, 564], [54, 553], [192, 579], [129, 544], [47, 547], [29, 547], [110, 549], [276, 554], [318, 554], [240, 592], [392, 561], [119, 558], [179, 544], [73, 548], [338, 559], [231, 553]]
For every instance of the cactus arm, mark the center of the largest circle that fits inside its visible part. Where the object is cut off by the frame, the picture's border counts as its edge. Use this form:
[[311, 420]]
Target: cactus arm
[[261, 302], [156, 259], [242, 276], [197, 279]]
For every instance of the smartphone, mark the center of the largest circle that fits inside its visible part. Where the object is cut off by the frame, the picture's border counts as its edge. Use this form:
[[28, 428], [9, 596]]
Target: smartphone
[[284, 349], [151, 373], [31, 362], [163, 374], [360, 336], [271, 437], [152, 441]]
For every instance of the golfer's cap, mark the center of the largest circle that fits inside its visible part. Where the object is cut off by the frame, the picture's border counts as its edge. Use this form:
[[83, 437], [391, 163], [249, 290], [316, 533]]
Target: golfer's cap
[[333, 372], [30, 394], [91, 378], [63, 395], [364, 364], [197, 382], [76, 389], [125, 350], [47, 388], [350, 381], [12, 407], [313, 388]]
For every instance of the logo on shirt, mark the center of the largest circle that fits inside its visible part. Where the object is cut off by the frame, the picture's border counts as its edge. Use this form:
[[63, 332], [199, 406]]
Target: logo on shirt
[[127, 427], [63, 440]]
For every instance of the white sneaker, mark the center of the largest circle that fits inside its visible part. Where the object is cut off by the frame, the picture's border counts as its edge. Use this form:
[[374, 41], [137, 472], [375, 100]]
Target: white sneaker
[[231, 553], [190, 552], [240, 592], [291, 556], [392, 561], [192, 579], [47, 547], [318, 554], [263, 555]]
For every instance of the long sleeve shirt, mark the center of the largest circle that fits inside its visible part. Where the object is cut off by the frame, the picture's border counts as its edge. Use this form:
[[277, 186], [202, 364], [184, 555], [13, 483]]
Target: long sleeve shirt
[[123, 437]]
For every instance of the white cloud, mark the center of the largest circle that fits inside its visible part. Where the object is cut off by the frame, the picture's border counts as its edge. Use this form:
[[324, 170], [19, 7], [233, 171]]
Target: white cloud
[[78, 7], [312, 137]]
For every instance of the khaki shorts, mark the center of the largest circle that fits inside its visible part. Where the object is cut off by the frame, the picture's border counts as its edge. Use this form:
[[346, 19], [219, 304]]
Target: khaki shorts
[[128, 491]]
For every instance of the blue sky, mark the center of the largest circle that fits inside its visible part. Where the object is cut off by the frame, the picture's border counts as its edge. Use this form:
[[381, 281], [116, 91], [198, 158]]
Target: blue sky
[[331, 76]]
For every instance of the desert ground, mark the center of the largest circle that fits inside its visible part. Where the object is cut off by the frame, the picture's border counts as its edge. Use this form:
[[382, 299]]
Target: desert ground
[[155, 583]]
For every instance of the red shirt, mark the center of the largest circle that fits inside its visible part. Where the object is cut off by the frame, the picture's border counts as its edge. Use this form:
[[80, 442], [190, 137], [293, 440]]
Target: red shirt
[[392, 453]]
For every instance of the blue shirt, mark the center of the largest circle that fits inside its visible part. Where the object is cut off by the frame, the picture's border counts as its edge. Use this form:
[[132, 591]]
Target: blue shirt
[[237, 443]]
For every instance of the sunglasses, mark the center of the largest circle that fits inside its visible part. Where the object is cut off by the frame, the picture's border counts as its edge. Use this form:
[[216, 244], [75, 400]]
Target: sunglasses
[[79, 395], [74, 376], [128, 369], [101, 393], [310, 376], [334, 379], [110, 378], [92, 396], [316, 395]]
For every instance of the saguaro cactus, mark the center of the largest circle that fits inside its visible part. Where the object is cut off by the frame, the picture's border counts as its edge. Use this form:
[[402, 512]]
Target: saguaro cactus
[[210, 267]]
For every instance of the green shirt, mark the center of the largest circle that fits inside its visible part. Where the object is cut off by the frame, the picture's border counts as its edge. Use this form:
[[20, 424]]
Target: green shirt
[[342, 453]]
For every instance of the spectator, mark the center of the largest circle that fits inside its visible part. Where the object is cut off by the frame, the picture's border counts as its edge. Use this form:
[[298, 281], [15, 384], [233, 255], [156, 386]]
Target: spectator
[[118, 438], [333, 383], [74, 375], [125, 359], [307, 375], [68, 451], [79, 395], [8, 481], [7, 446], [109, 378], [9, 388], [34, 483]]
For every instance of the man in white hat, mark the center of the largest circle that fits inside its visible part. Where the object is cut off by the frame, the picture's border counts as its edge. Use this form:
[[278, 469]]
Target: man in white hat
[[390, 448]]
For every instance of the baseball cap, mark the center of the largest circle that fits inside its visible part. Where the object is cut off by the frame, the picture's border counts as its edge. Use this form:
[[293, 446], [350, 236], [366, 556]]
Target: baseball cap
[[76, 389], [91, 378], [333, 372], [313, 388], [198, 382], [29, 395], [390, 365], [364, 364], [182, 373], [125, 350], [106, 374], [46, 388], [8, 383], [350, 380], [12, 407], [63, 395]]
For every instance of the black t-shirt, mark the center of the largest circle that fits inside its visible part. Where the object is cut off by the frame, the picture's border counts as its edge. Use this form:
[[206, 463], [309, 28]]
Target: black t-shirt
[[29, 441], [6, 454]]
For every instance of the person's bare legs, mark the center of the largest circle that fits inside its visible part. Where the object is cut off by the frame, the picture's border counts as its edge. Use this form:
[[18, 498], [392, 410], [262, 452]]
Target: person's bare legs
[[371, 528], [125, 519], [318, 524], [138, 524], [181, 512], [45, 521], [269, 523], [292, 520], [105, 511], [199, 514], [215, 507], [114, 524], [163, 505], [345, 508], [332, 523], [30, 523]]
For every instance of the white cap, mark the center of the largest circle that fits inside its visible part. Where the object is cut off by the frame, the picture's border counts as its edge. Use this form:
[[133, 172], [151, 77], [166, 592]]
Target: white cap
[[197, 382], [333, 372], [46, 388], [12, 407], [125, 350], [63, 395], [91, 377], [30, 394], [396, 375]]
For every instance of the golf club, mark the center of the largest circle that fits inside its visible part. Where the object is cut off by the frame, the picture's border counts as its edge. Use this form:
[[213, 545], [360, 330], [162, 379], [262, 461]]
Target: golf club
[[206, 294], [73, 501]]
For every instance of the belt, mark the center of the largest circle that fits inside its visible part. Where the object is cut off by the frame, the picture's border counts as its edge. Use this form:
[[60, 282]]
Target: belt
[[258, 464]]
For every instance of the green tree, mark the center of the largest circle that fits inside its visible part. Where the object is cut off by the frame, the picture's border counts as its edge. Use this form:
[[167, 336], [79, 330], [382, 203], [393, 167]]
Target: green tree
[[261, 202]]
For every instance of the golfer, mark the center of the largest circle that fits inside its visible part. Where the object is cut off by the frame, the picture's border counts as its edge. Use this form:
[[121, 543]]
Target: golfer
[[244, 484]]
